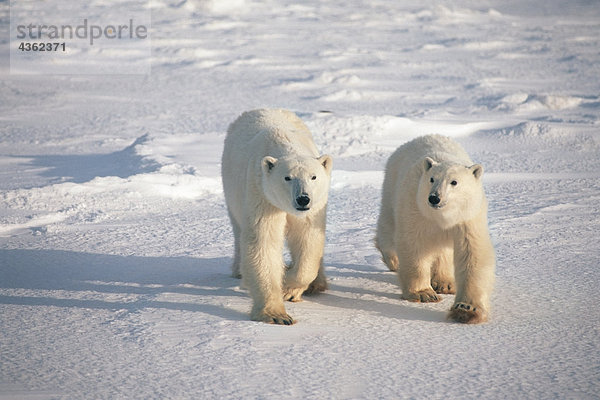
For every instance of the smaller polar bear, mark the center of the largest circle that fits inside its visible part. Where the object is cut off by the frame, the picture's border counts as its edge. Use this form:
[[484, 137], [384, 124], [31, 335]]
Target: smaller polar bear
[[432, 228], [276, 186]]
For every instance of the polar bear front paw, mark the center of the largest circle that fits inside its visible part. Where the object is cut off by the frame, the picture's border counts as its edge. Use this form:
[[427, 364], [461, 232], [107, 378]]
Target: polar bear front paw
[[467, 314], [422, 296], [277, 318]]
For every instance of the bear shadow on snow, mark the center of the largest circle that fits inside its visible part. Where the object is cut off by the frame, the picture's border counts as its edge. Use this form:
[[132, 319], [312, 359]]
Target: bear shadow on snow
[[398, 309], [146, 276], [149, 276]]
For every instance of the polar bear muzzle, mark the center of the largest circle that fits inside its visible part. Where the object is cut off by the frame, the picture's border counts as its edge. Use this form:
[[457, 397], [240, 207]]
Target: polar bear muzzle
[[300, 195], [434, 200], [302, 202]]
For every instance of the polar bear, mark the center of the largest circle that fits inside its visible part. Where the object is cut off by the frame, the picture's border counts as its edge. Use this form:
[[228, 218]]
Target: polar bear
[[432, 227], [276, 187]]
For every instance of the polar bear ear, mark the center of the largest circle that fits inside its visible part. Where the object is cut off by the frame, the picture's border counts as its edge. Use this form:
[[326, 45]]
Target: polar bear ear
[[326, 162], [428, 163], [268, 163], [477, 170]]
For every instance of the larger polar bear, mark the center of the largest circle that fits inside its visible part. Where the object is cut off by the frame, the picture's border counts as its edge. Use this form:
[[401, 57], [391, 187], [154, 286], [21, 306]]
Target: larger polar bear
[[276, 186], [433, 229]]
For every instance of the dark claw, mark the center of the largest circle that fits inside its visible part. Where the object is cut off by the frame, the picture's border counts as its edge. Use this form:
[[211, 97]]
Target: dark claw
[[464, 307]]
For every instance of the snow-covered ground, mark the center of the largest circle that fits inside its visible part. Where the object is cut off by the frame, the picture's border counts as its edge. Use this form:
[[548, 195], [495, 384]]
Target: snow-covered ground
[[115, 245]]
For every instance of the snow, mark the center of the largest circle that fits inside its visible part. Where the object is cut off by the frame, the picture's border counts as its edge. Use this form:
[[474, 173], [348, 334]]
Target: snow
[[115, 244]]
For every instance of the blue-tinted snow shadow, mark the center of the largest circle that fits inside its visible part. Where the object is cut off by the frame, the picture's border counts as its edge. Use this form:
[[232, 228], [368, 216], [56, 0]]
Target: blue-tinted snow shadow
[[366, 299], [84, 168], [145, 277]]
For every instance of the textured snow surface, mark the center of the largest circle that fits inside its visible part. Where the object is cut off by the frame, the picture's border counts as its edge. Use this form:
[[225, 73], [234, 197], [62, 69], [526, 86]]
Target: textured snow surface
[[115, 245]]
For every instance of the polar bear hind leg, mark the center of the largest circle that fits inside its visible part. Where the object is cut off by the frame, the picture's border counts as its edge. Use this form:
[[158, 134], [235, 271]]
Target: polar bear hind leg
[[442, 272], [388, 255], [384, 240], [320, 282], [235, 267]]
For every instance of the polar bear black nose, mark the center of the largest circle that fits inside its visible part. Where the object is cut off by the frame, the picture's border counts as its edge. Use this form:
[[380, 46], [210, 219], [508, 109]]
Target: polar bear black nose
[[303, 200], [434, 199]]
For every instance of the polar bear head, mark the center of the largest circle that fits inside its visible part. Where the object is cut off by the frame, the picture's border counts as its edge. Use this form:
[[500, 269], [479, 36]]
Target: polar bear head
[[450, 193], [298, 186]]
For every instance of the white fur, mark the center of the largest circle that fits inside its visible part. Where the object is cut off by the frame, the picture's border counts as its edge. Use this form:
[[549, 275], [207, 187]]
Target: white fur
[[270, 167], [445, 249]]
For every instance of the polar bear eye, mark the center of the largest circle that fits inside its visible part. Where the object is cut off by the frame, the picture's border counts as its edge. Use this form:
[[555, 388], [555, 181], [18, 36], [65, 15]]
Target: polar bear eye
[[313, 178], [431, 180], [454, 183], [287, 178]]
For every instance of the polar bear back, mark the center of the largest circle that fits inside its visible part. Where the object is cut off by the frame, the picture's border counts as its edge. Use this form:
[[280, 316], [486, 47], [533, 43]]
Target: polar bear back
[[440, 148], [270, 132]]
